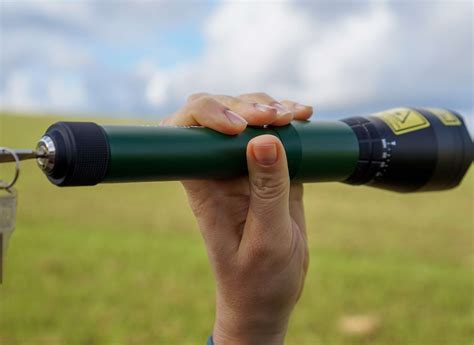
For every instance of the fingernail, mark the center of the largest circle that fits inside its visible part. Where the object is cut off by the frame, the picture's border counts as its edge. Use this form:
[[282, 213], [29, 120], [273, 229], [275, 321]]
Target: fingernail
[[234, 117], [300, 106], [265, 154], [264, 107], [281, 109]]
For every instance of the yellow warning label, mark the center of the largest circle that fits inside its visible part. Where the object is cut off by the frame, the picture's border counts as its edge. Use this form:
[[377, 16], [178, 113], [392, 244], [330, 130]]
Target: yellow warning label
[[446, 117], [403, 120]]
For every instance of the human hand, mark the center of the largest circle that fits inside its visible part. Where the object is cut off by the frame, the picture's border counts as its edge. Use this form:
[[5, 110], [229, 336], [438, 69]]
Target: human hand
[[253, 227]]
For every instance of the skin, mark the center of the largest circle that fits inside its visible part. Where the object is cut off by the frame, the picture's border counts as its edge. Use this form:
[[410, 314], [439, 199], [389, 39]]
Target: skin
[[253, 227]]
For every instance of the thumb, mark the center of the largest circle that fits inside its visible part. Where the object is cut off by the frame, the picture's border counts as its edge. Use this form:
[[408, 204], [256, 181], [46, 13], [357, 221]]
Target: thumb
[[269, 182]]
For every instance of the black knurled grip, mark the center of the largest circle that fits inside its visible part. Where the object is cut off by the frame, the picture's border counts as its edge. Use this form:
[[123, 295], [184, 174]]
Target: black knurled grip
[[370, 150], [82, 153]]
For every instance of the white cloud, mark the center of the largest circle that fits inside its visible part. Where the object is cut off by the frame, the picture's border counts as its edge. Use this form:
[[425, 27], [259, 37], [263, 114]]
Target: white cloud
[[278, 48], [378, 55], [342, 57], [85, 49], [66, 90], [19, 92], [340, 67], [157, 89]]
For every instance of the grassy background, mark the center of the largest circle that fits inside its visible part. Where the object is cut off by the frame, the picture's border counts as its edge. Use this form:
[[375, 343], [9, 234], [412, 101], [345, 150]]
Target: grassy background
[[124, 264]]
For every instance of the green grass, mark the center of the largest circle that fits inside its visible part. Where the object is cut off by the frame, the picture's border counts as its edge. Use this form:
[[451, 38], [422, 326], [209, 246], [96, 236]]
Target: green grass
[[125, 264]]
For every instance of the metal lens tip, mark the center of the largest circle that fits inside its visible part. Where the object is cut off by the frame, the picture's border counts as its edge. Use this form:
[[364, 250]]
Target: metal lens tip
[[45, 153]]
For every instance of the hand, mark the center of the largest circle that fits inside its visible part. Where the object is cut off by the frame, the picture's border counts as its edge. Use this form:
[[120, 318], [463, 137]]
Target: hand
[[253, 227]]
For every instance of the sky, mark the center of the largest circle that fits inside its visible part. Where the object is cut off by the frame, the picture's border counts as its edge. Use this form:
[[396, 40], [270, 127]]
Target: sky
[[143, 58]]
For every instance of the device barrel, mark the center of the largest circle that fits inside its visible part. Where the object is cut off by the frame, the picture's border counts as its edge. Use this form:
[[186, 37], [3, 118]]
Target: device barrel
[[401, 149]]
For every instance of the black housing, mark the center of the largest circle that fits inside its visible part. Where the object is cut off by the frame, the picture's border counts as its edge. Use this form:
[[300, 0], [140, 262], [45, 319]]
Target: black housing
[[432, 158]]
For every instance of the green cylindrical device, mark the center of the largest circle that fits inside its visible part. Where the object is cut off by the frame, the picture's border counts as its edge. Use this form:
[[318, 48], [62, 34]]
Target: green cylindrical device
[[402, 149]]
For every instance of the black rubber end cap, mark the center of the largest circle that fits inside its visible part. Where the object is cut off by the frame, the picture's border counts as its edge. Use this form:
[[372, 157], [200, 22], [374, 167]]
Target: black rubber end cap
[[82, 153]]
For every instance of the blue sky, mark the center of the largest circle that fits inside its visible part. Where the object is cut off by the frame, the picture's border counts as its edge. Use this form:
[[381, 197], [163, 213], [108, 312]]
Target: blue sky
[[142, 58]]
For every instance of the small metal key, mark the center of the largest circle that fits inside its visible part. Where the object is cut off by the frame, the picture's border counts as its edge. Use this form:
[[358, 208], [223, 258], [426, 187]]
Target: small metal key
[[8, 202]]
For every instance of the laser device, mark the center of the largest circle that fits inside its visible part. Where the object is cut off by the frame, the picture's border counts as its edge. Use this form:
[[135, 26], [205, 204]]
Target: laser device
[[402, 149]]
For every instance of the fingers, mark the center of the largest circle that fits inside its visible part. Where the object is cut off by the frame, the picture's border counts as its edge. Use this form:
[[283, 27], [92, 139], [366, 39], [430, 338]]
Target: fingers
[[208, 112], [268, 219], [302, 112], [256, 114], [296, 206], [284, 114], [231, 115]]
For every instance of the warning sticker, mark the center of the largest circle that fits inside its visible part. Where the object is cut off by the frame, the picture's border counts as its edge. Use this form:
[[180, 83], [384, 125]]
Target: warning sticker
[[446, 117], [403, 120]]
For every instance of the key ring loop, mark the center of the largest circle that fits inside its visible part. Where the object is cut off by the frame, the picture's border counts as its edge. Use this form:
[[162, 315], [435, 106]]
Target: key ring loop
[[8, 186]]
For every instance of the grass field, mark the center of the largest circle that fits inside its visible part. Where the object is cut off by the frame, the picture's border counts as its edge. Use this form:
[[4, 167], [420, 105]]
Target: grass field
[[125, 264]]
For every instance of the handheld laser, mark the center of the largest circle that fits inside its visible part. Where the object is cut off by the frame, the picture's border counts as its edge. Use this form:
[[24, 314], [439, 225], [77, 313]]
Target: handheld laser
[[402, 149]]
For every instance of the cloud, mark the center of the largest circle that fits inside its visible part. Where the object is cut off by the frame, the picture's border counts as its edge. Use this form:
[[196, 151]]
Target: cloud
[[88, 56], [146, 57], [377, 55]]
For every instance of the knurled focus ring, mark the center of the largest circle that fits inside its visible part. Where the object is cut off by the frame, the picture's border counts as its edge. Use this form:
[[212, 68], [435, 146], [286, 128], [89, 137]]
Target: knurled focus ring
[[370, 151]]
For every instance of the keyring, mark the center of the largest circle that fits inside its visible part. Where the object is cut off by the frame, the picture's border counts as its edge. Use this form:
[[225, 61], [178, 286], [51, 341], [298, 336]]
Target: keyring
[[8, 186]]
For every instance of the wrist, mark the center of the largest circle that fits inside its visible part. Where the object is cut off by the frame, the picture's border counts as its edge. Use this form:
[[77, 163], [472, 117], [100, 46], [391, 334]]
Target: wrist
[[235, 332], [220, 338]]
